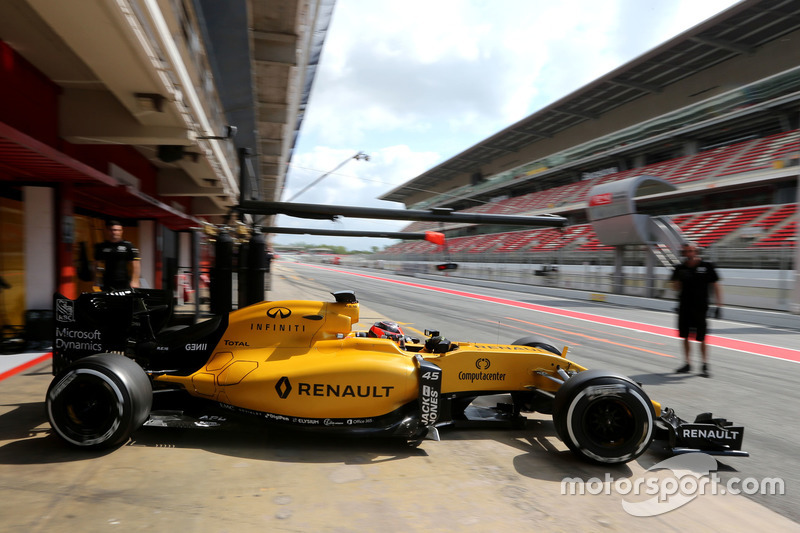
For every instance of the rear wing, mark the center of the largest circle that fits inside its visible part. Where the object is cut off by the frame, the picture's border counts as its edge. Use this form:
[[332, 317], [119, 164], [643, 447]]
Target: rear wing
[[104, 322]]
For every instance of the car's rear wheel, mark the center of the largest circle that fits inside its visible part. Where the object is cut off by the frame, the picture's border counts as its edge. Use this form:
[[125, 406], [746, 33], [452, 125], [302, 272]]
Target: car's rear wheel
[[603, 417], [99, 401]]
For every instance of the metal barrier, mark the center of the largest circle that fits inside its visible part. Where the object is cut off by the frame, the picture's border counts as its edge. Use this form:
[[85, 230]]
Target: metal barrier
[[758, 280]]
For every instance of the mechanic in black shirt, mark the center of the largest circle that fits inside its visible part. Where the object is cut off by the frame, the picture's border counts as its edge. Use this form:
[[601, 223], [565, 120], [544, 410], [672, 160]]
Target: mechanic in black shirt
[[694, 279], [116, 253]]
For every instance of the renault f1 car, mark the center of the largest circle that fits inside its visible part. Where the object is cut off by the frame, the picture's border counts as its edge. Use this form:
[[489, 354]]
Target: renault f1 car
[[299, 365]]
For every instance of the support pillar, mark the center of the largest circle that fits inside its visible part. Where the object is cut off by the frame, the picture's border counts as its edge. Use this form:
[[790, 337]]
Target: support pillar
[[256, 268], [649, 264], [794, 304], [222, 274], [42, 247], [618, 279], [65, 242]]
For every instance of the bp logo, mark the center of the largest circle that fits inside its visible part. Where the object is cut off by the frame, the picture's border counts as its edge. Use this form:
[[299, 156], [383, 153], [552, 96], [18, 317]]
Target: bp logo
[[482, 364], [282, 312], [283, 387]]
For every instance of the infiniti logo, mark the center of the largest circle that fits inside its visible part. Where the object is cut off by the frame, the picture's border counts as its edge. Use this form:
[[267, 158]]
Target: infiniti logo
[[283, 312]]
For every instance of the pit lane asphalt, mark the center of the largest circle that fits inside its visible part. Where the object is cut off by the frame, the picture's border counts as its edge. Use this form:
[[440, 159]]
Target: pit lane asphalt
[[472, 480]]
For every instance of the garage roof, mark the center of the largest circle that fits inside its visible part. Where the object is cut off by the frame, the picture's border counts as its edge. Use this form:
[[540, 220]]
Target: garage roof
[[32, 159]]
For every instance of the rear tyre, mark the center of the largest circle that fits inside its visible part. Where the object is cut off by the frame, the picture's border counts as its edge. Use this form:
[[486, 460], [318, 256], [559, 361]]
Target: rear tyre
[[604, 417], [99, 401], [535, 341]]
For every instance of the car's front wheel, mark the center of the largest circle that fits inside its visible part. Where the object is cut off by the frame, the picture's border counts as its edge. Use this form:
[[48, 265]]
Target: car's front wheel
[[537, 342], [603, 417], [98, 401]]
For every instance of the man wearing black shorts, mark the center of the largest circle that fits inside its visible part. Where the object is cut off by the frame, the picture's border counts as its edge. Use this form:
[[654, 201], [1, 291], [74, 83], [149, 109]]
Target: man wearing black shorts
[[116, 253], [694, 279]]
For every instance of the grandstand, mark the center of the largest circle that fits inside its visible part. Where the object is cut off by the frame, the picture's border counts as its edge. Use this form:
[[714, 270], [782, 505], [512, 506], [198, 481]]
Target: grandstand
[[714, 112], [759, 227]]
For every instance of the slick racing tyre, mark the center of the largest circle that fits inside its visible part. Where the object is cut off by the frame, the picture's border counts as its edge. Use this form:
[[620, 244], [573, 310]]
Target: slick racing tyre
[[98, 401], [603, 417], [536, 342]]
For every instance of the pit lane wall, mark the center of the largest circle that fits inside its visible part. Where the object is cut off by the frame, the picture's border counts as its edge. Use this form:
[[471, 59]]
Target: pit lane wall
[[750, 295]]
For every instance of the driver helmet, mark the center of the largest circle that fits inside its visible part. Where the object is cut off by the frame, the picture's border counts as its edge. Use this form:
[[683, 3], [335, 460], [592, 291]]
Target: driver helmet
[[384, 328]]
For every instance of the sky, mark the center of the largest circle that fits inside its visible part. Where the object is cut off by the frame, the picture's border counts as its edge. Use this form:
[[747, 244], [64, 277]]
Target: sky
[[413, 83]]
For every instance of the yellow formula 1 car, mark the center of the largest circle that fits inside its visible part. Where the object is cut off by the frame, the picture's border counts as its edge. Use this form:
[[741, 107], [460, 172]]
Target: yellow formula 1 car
[[299, 365]]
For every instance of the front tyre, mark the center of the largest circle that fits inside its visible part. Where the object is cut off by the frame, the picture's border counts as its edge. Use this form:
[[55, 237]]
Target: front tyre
[[603, 417], [98, 401], [536, 341]]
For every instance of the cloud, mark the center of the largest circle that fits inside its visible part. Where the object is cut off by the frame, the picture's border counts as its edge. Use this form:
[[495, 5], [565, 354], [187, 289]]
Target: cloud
[[356, 183], [414, 83]]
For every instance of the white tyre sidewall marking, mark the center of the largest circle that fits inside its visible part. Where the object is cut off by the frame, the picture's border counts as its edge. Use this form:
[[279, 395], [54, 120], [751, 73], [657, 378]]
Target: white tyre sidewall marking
[[66, 380], [592, 389]]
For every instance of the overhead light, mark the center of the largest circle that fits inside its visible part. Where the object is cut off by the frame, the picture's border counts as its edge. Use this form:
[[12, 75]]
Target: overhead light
[[230, 133], [169, 153], [150, 101]]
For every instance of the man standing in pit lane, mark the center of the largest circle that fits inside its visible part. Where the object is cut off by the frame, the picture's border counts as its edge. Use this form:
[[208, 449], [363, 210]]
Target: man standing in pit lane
[[694, 280], [115, 254]]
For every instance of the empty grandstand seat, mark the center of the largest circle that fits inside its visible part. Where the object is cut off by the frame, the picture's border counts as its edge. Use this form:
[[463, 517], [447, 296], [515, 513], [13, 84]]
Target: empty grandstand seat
[[593, 244], [662, 169], [706, 164], [517, 240], [485, 243], [711, 227], [778, 216], [784, 236], [765, 153]]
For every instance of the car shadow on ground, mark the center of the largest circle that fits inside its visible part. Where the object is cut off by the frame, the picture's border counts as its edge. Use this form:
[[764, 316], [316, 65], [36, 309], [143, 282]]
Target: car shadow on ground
[[44, 447], [31, 441], [661, 378], [267, 444]]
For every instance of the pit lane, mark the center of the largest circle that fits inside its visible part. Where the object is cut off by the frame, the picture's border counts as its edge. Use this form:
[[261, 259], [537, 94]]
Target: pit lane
[[472, 480]]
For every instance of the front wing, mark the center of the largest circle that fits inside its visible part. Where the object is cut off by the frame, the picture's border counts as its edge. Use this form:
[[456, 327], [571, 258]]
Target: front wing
[[714, 436]]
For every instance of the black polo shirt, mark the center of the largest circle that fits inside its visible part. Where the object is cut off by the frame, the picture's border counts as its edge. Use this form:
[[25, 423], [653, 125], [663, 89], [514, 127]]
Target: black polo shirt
[[116, 256], [695, 283]]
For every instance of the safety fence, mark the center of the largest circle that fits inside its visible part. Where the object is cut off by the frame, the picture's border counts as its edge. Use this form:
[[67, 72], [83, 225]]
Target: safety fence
[[759, 282]]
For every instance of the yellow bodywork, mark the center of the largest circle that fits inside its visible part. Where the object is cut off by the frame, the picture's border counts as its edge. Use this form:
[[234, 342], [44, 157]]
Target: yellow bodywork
[[299, 359]]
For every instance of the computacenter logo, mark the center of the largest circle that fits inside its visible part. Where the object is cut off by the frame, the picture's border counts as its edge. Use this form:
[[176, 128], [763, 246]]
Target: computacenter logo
[[670, 484], [483, 364]]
